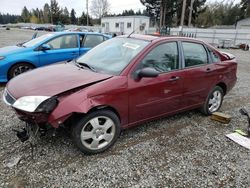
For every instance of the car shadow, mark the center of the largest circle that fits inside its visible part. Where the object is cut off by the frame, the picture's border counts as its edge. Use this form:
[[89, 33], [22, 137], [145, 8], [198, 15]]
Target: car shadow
[[2, 84]]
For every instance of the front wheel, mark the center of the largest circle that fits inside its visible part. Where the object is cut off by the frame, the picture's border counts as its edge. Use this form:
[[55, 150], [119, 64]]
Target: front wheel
[[19, 69], [213, 101], [96, 132]]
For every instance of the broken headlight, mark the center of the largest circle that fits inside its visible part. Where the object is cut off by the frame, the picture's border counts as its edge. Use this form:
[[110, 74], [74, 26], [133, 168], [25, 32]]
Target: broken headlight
[[36, 104]]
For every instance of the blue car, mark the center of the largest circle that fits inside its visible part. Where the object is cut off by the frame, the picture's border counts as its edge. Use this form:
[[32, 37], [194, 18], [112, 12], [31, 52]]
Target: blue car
[[44, 50]]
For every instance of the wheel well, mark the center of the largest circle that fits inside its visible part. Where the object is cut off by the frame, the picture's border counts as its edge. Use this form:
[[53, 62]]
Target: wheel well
[[75, 117], [17, 64], [106, 108], [223, 86]]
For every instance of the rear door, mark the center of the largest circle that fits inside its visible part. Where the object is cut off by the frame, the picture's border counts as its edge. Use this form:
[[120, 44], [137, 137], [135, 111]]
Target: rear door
[[153, 97], [89, 41], [200, 73], [62, 48]]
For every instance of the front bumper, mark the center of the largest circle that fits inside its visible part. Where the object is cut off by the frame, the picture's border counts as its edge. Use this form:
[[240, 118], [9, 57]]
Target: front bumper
[[41, 118], [32, 118]]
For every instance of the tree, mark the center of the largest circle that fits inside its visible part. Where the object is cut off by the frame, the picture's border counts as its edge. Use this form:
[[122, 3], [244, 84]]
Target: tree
[[46, 13], [83, 19], [153, 9], [100, 8], [55, 11], [34, 19], [219, 14], [73, 19], [198, 8], [65, 16], [25, 15], [245, 9], [169, 11]]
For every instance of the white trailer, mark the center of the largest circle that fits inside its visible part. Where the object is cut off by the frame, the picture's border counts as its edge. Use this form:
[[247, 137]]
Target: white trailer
[[125, 25]]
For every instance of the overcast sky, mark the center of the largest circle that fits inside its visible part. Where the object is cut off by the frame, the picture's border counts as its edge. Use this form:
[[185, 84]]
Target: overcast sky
[[117, 6]]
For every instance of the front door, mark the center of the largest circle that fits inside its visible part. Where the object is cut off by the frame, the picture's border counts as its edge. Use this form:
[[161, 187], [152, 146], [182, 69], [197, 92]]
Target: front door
[[153, 97], [62, 48]]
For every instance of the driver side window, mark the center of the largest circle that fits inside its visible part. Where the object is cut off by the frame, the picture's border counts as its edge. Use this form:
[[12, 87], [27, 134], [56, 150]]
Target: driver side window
[[63, 42], [163, 58]]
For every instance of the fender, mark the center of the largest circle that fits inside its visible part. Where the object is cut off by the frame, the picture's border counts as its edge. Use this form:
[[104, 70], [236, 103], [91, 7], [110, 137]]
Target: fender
[[86, 99]]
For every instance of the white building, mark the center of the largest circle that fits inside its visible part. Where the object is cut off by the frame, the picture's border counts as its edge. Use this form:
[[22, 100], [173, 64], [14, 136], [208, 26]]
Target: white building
[[243, 24], [125, 24]]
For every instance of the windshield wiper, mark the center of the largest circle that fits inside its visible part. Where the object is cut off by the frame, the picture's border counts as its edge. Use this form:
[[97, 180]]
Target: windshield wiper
[[85, 65]]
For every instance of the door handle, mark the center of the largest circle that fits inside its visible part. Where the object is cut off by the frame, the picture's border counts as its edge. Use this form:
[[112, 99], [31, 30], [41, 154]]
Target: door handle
[[174, 78], [208, 70]]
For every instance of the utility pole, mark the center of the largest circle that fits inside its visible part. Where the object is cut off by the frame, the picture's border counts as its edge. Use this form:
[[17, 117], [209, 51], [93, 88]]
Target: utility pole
[[87, 6], [183, 12], [190, 13]]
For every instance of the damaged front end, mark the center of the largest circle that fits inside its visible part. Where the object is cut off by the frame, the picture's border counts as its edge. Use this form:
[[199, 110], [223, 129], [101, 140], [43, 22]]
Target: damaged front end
[[34, 111]]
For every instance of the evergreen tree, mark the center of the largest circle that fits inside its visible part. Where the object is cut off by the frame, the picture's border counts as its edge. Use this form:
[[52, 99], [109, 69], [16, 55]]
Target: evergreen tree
[[245, 9], [171, 9], [73, 19], [46, 13], [65, 16], [83, 19], [55, 11], [25, 15]]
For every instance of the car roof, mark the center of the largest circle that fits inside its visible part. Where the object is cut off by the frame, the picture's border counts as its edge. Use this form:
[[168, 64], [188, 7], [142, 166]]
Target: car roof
[[78, 32], [152, 38]]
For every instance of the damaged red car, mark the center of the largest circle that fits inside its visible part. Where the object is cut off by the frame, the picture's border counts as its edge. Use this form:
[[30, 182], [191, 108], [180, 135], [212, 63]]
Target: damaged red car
[[120, 83]]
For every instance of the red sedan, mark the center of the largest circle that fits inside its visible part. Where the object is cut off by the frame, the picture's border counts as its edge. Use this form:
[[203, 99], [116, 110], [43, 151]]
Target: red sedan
[[120, 83]]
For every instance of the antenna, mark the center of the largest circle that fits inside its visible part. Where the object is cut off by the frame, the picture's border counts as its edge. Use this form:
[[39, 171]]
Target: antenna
[[131, 33], [142, 25]]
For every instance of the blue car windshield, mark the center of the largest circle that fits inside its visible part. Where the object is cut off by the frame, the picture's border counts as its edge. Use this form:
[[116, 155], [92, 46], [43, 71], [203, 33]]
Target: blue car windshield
[[37, 40], [112, 56]]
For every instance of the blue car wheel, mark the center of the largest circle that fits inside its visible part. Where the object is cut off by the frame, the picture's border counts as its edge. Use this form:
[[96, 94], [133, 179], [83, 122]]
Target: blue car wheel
[[19, 69]]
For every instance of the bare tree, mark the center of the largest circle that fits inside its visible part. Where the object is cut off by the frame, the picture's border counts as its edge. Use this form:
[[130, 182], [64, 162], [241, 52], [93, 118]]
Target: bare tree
[[99, 8]]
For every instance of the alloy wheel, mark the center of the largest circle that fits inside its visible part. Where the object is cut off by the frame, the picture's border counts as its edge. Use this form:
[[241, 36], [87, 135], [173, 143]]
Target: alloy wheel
[[21, 69], [215, 101], [98, 132]]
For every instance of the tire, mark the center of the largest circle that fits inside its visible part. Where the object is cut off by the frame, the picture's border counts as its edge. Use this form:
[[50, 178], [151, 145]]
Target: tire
[[214, 101], [19, 69], [90, 134]]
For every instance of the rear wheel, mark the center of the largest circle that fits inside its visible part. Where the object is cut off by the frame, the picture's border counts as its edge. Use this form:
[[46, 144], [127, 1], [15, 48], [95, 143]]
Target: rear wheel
[[213, 101], [19, 69], [96, 132]]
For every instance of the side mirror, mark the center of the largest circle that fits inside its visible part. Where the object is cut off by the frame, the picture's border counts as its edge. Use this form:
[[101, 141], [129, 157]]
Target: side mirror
[[147, 72], [45, 47], [244, 112]]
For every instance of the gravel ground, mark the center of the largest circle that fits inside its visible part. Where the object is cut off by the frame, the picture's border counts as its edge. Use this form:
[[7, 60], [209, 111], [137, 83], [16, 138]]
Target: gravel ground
[[185, 150]]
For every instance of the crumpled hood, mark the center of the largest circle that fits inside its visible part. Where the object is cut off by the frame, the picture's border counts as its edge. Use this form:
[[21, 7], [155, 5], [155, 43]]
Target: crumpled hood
[[52, 80], [11, 50]]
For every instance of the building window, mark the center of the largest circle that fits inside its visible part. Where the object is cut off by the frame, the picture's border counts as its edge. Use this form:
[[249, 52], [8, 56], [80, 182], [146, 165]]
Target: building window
[[129, 25], [103, 24], [117, 25]]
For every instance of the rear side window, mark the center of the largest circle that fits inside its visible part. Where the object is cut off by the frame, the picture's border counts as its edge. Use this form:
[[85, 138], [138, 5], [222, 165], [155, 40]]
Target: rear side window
[[195, 54], [92, 41], [163, 58], [214, 56]]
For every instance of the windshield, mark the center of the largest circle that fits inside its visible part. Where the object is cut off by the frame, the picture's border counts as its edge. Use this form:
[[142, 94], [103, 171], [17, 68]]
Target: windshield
[[37, 40], [112, 56]]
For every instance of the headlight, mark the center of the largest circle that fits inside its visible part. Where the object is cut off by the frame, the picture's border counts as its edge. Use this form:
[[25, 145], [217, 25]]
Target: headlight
[[35, 103], [2, 57], [48, 105]]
